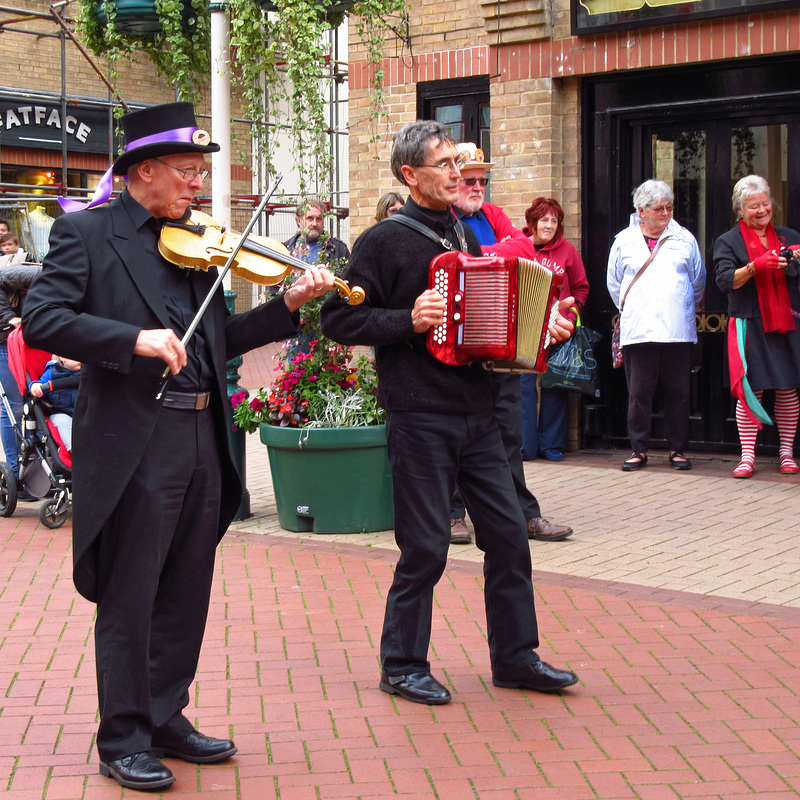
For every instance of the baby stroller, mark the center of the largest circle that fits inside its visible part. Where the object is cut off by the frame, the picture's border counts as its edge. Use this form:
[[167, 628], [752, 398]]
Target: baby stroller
[[45, 465]]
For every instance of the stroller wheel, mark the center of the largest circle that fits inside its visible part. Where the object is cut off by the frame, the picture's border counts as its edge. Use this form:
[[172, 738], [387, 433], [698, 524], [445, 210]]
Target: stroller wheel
[[8, 490], [53, 513]]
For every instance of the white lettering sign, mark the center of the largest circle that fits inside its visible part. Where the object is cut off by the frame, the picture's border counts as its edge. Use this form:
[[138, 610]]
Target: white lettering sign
[[42, 117]]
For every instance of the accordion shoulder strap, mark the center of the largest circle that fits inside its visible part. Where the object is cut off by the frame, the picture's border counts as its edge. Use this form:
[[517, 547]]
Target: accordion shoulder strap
[[420, 227]]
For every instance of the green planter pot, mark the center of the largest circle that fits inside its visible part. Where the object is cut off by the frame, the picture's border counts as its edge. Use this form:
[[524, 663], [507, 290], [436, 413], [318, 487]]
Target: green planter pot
[[330, 480], [139, 17]]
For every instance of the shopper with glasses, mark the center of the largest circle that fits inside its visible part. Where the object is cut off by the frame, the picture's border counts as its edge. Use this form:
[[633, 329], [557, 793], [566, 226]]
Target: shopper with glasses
[[660, 262], [497, 234]]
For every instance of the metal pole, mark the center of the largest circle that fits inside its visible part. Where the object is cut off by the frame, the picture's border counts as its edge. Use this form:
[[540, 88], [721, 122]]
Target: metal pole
[[221, 115]]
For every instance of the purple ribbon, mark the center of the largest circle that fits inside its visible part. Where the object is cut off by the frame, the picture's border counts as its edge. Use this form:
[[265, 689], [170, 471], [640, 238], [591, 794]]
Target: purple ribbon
[[106, 185]]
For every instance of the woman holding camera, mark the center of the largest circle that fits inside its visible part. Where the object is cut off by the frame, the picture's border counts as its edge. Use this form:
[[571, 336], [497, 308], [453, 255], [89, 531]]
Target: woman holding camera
[[756, 268]]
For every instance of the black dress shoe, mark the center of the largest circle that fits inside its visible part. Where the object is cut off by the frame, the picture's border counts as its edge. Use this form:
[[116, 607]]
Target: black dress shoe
[[141, 771], [418, 687], [196, 747], [538, 675]]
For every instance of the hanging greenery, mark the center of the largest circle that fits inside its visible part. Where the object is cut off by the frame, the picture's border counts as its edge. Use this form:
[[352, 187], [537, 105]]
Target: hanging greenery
[[281, 60]]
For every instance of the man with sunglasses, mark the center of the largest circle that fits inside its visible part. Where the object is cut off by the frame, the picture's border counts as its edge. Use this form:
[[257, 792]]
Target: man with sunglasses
[[497, 234], [155, 483]]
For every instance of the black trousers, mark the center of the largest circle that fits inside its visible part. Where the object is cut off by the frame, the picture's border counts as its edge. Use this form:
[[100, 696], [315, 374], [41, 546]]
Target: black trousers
[[507, 413], [668, 369], [427, 454], [155, 567]]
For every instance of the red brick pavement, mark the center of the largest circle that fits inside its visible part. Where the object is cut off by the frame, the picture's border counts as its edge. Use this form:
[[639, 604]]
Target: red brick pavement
[[681, 696]]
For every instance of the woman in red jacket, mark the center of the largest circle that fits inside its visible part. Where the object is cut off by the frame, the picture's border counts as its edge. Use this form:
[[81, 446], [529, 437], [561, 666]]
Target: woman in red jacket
[[547, 436]]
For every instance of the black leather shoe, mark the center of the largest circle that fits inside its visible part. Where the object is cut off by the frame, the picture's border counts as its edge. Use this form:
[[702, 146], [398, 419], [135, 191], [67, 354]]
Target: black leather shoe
[[538, 675], [418, 687], [196, 747], [141, 771]]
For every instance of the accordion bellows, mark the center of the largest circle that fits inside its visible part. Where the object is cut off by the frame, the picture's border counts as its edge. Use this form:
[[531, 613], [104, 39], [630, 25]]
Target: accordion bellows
[[499, 311]]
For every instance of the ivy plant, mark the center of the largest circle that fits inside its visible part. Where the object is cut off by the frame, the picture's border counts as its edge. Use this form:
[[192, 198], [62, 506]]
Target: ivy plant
[[280, 59]]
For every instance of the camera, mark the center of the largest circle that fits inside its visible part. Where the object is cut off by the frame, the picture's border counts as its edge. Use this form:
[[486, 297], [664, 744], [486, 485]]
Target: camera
[[789, 255]]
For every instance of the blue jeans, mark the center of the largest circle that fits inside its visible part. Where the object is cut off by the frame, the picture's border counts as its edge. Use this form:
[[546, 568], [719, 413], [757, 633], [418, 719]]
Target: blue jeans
[[10, 442], [544, 424]]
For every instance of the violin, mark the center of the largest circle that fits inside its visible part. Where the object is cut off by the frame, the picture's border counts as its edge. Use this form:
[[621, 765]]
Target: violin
[[200, 242]]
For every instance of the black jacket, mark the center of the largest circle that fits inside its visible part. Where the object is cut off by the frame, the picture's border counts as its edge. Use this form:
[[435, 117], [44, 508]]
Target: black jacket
[[97, 290]]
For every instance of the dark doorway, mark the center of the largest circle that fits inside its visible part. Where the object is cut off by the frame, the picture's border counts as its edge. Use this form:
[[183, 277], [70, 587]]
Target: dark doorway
[[700, 130]]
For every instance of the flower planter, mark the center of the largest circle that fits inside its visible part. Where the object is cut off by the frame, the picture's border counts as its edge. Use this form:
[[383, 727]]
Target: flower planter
[[330, 480], [138, 17]]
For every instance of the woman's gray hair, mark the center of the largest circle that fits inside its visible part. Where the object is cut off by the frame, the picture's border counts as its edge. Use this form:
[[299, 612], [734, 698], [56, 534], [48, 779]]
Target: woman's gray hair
[[746, 187], [651, 192], [412, 141]]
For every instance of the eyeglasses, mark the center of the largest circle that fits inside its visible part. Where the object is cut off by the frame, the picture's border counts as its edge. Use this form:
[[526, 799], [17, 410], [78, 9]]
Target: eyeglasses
[[187, 174], [449, 165], [473, 181], [661, 209]]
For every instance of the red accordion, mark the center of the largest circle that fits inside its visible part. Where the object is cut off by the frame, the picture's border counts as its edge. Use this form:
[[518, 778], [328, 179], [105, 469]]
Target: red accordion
[[499, 310]]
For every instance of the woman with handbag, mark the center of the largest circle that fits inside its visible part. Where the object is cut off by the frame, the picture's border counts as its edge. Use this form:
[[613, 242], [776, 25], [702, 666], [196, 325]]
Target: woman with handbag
[[755, 267], [656, 278], [544, 423]]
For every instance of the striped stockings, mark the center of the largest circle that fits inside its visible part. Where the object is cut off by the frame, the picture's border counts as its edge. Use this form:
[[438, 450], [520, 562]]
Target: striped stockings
[[787, 411]]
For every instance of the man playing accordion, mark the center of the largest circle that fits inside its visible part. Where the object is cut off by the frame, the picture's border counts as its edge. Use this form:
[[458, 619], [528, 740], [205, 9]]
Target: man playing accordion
[[440, 433]]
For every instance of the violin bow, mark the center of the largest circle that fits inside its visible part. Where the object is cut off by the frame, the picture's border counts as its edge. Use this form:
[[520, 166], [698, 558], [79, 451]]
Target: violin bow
[[166, 375]]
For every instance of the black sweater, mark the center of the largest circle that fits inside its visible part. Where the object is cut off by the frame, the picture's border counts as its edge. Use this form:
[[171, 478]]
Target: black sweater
[[390, 262]]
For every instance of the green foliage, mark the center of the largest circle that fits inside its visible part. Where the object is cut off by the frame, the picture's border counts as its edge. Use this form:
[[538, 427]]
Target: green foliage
[[281, 54]]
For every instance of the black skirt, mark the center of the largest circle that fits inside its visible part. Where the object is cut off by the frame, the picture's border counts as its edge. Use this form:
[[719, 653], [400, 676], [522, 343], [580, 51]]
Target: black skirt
[[773, 359]]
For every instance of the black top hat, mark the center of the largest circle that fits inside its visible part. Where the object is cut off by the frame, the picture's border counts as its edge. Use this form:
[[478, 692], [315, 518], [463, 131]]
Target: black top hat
[[161, 131]]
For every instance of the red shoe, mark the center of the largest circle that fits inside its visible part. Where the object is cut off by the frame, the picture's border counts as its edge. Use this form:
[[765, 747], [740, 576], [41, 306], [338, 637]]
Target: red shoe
[[789, 466], [744, 470]]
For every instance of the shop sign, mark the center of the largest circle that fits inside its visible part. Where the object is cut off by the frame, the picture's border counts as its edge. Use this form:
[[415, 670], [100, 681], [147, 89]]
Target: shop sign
[[43, 126], [595, 16]]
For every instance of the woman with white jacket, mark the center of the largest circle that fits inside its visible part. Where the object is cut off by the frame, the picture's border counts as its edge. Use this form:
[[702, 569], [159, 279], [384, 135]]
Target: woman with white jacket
[[657, 321]]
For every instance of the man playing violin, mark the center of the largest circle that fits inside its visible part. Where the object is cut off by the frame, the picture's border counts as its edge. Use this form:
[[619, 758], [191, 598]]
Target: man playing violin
[[440, 433], [155, 484]]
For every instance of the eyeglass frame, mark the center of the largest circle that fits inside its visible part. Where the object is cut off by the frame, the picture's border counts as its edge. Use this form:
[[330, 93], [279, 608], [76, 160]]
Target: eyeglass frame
[[203, 173], [456, 163], [669, 208], [472, 181]]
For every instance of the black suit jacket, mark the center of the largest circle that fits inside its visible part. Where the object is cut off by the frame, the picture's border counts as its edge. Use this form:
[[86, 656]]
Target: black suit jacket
[[96, 292]]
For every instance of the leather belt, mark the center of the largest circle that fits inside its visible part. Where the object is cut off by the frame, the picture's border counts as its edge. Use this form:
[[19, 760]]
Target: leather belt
[[187, 401]]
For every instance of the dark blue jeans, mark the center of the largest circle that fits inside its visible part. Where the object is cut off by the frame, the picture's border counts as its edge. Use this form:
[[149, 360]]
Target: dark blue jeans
[[428, 454], [544, 424]]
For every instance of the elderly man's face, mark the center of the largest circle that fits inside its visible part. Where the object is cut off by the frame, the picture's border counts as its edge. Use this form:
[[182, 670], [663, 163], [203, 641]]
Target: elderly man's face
[[167, 193], [471, 193], [311, 224]]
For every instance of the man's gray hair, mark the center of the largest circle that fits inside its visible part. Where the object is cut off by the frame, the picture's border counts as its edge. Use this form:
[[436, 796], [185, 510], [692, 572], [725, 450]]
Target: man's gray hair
[[307, 203], [651, 192], [412, 142], [746, 187]]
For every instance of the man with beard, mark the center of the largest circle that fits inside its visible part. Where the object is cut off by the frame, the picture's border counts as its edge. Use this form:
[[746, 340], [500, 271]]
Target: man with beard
[[309, 244]]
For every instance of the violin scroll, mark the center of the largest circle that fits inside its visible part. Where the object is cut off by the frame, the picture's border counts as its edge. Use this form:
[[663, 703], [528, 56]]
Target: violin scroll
[[354, 296]]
